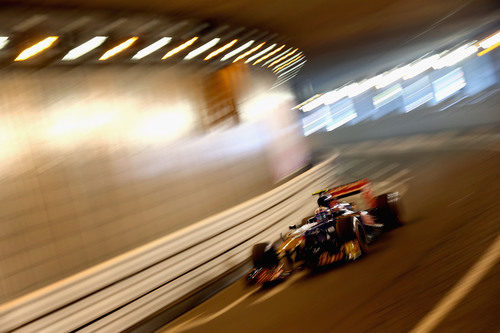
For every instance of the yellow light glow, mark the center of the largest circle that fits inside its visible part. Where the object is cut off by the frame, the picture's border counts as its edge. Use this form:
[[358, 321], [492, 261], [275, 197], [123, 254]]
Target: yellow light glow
[[491, 48], [118, 48], [269, 55], [221, 49], [249, 52], [288, 63], [179, 48], [37, 48], [282, 58]]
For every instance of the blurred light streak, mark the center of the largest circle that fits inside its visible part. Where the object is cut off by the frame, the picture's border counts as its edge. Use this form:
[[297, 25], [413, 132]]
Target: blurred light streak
[[313, 104], [269, 55], [491, 48], [277, 56], [448, 84], [3, 41], [489, 41], [332, 96], [387, 96], [282, 58], [84, 48], [36, 48], [255, 56], [152, 48], [293, 60], [179, 48], [221, 49], [422, 100], [453, 57], [293, 68], [118, 48], [341, 122], [306, 101], [252, 50], [201, 49], [238, 50], [420, 66]]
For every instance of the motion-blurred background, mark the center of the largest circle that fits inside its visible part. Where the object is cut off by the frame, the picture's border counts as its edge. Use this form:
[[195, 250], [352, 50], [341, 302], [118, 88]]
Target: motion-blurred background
[[124, 124]]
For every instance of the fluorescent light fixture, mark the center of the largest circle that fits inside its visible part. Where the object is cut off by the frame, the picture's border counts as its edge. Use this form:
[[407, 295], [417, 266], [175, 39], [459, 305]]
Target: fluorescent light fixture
[[84, 48], [269, 54], [296, 66], [491, 48], [453, 57], [179, 48], [252, 50], [288, 63], [238, 50], [490, 41], [255, 56], [202, 49], [36, 48], [118, 48], [282, 58], [221, 49], [277, 56], [152, 48], [3, 41], [420, 66]]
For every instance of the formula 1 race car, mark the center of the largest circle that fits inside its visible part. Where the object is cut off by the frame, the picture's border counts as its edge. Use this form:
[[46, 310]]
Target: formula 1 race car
[[336, 233]]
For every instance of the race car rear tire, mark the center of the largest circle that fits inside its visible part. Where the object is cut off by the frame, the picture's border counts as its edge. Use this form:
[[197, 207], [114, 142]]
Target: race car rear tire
[[388, 210], [350, 228], [264, 255], [360, 234]]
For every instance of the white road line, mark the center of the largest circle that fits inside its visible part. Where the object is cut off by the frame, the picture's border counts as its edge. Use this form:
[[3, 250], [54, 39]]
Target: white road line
[[460, 290], [278, 288], [198, 322]]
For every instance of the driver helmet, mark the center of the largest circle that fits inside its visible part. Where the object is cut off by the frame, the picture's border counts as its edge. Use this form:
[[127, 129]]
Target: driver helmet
[[322, 214]]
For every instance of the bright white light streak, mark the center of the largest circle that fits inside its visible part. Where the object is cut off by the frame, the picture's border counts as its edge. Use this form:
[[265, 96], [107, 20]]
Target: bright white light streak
[[152, 48], [277, 57], [252, 50], [201, 49], [453, 57], [420, 66], [255, 56], [490, 41], [270, 54], [84, 48], [3, 41], [300, 64], [341, 122], [237, 50]]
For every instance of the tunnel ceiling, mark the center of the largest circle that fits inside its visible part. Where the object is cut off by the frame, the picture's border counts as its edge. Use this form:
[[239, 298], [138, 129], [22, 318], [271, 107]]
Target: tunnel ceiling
[[332, 33]]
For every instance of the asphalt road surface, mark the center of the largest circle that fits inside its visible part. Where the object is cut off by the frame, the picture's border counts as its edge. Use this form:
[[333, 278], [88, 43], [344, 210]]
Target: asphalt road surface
[[440, 272]]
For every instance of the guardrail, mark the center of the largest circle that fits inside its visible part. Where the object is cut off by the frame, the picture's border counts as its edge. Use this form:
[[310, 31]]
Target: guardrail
[[120, 292]]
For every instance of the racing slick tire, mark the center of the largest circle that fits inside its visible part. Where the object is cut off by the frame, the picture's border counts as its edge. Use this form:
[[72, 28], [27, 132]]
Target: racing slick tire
[[264, 255], [388, 210], [350, 228]]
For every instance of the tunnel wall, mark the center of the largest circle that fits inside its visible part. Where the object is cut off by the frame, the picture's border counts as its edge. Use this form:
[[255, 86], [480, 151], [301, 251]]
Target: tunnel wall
[[96, 162]]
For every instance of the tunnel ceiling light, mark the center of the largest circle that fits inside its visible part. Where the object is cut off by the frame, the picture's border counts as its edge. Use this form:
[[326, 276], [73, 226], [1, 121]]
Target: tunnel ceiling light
[[202, 49], [238, 50], [453, 57], [37, 48], [491, 48], [221, 49], [305, 102], [300, 64], [277, 56], [420, 66], [152, 48], [291, 61], [282, 58], [84, 48], [247, 53], [3, 41], [179, 48], [118, 48], [269, 54], [490, 41], [255, 56]]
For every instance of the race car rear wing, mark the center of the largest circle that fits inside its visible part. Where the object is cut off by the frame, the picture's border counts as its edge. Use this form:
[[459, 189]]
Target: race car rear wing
[[342, 191]]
